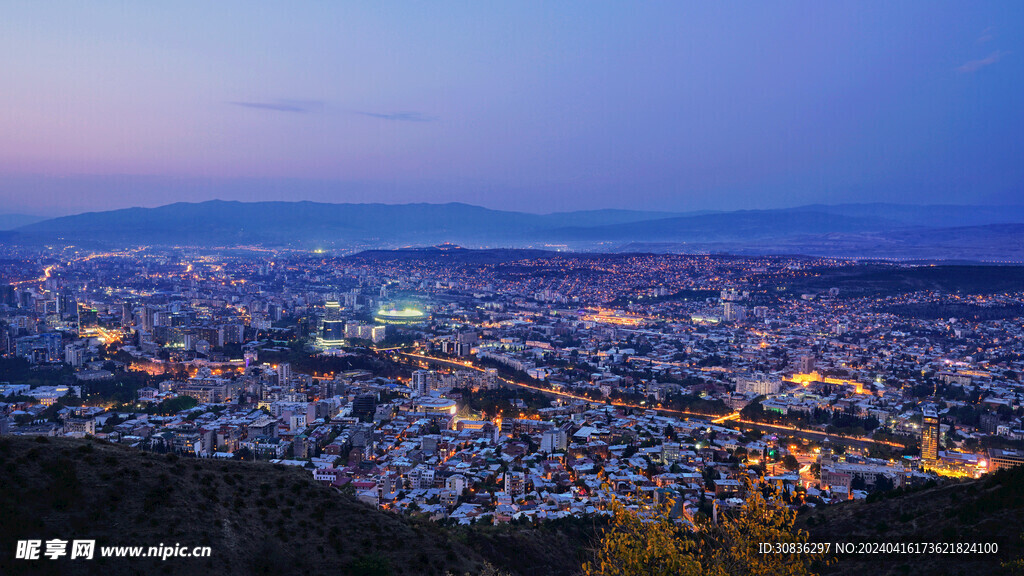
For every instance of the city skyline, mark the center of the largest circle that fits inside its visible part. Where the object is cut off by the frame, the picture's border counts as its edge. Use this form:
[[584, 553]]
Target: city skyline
[[539, 109], [572, 288], [519, 388]]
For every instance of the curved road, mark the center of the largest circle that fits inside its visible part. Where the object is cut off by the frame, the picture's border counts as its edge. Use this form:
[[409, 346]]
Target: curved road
[[714, 418]]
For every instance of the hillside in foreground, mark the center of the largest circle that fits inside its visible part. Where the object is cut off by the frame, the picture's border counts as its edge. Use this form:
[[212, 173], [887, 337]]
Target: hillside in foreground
[[989, 510], [258, 518]]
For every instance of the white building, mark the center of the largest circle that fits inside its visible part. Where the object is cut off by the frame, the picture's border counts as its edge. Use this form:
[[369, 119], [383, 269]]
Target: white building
[[74, 355], [456, 483], [284, 373], [734, 312], [553, 440], [420, 383], [758, 384]]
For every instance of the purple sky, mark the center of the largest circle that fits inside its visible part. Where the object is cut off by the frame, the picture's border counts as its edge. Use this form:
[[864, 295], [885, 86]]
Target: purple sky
[[535, 106]]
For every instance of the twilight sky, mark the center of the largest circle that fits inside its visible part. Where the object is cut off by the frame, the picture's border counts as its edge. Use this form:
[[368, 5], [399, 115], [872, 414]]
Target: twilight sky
[[534, 106]]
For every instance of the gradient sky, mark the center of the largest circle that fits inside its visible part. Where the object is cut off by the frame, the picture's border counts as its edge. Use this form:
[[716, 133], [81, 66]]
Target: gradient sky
[[535, 106]]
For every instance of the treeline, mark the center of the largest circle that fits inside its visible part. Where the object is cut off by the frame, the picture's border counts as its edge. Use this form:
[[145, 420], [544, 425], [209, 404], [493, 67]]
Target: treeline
[[500, 400], [835, 421], [306, 362], [637, 544], [20, 371]]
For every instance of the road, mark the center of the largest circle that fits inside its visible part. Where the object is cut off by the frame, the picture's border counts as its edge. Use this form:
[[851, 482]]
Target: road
[[861, 442], [548, 391], [856, 441]]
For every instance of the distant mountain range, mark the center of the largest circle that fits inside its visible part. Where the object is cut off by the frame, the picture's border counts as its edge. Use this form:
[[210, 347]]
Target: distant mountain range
[[11, 221], [870, 230], [311, 223]]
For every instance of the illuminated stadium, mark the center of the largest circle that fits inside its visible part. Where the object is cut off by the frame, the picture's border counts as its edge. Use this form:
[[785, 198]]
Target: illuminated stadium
[[407, 315], [434, 405]]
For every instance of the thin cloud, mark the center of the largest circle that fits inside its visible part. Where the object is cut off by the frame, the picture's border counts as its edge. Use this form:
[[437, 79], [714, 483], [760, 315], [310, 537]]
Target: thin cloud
[[986, 35], [400, 116], [299, 106], [975, 65]]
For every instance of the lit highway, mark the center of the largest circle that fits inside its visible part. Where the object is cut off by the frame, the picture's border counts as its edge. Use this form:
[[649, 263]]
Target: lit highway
[[470, 365], [714, 418], [814, 434]]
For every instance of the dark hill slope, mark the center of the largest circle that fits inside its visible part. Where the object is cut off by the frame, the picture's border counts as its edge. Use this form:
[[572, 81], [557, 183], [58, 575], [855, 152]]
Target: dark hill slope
[[990, 510], [258, 518]]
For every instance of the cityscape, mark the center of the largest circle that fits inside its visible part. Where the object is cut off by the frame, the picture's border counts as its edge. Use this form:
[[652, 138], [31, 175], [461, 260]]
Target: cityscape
[[471, 389], [512, 290]]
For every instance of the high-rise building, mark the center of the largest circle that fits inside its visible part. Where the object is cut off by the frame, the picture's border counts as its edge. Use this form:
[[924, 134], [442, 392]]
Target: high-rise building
[[731, 294], [8, 296], [40, 347], [148, 319], [74, 355], [46, 307], [284, 373], [805, 364], [352, 330], [332, 310], [553, 440], [5, 338], [332, 333], [515, 483], [670, 452], [67, 305], [758, 384], [930, 435], [734, 312], [421, 382], [489, 381], [126, 315], [230, 334], [363, 405]]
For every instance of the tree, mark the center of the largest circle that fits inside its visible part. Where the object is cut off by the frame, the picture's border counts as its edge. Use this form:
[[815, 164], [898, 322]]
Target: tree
[[883, 484], [1016, 566], [636, 544], [731, 547], [371, 565], [790, 462], [176, 404]]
